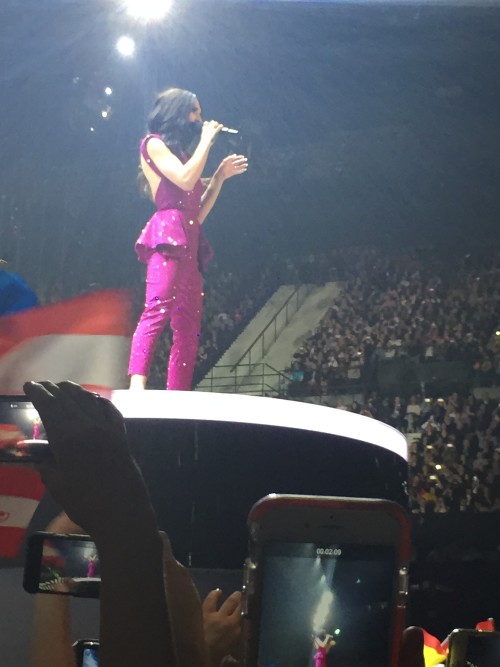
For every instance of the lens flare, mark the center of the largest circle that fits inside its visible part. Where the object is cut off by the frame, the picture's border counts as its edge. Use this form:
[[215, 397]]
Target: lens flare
[[148, 10], [125, 46]]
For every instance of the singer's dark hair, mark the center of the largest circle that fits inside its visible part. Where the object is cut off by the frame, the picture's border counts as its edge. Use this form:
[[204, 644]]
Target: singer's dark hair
[[169, 118]]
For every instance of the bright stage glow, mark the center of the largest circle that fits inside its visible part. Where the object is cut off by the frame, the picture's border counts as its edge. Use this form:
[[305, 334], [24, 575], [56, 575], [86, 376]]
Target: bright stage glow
[[148, 10], [210, 406], [32, 414], [108, 91], [125, 46], [322, 612]]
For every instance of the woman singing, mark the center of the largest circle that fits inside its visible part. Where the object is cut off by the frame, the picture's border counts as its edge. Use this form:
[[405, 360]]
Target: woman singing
[[172, 243], [323, 642]]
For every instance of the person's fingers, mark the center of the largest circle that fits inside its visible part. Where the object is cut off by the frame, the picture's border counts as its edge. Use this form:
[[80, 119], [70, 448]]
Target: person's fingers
[[92, 404], [211, 601], [37, 392], [232, 604], [412, 648], [51, 402]]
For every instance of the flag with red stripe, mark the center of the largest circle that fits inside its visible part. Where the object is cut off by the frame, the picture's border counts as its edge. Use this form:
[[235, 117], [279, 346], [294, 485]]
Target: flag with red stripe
[[20, 492], [85, 339]]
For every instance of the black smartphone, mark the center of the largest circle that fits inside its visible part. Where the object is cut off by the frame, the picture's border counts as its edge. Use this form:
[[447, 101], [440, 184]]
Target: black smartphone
[[326, 582], [473, 648], [63, 565], [87, 652], [22, 435]]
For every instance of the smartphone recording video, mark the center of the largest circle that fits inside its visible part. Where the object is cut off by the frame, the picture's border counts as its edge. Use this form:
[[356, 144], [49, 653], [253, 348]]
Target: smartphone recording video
[[87, 653], [320, 602], [62, 564], [326, 603], [22, 435]]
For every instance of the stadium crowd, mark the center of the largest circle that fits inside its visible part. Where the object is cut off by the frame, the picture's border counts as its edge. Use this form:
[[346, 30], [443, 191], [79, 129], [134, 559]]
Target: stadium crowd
[[422, 307], [453, 449]]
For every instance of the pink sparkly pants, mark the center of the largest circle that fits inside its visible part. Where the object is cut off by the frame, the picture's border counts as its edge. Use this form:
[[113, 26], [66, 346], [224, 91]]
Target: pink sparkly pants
[[173, 292]]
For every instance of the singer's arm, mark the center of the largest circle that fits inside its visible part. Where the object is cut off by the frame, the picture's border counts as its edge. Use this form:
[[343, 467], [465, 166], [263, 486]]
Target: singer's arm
[[232, 165], [185, 175]]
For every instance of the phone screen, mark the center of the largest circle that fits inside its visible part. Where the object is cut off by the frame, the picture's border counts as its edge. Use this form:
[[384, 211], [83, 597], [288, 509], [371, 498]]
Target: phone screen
[[22, 435], [90, 657], [326, 605], [69, 566]]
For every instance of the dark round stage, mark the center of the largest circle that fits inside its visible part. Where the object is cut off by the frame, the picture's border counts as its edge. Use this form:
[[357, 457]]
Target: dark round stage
[[208, 457]]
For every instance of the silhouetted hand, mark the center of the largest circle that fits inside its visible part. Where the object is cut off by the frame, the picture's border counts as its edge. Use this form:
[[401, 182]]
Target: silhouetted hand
[[91, 474]]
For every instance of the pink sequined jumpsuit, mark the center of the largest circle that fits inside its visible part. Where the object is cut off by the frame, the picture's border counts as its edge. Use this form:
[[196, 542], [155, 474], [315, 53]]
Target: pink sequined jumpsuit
[[174, 249]]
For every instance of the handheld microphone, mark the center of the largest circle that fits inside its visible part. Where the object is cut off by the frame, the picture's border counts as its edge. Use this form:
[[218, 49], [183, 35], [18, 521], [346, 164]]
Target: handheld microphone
[[229, 130]]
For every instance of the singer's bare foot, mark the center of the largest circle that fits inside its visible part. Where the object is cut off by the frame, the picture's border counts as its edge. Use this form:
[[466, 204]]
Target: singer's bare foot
[[138, 382]]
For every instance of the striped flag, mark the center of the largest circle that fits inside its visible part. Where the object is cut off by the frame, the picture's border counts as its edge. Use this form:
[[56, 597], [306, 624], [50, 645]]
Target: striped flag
[[85, 339], [434, 651], [20, 492]]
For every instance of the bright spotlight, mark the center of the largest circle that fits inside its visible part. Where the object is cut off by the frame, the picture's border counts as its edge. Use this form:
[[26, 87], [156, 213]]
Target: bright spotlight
[[148, 10], [108, 91], [322, 611], [125, 46]]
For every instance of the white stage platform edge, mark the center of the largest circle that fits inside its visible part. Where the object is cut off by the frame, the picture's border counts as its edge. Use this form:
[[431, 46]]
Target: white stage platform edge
[[239, 408]]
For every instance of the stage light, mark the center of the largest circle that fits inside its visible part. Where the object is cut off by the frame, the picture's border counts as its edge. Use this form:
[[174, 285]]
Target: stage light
[[105, 113], [125, 46], [108, 91], [322, 611], [32, 414], [148, 10]]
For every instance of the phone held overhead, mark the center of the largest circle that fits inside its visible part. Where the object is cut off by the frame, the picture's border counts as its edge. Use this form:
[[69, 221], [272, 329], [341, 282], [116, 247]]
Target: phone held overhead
[[62, 564], [325, 576]]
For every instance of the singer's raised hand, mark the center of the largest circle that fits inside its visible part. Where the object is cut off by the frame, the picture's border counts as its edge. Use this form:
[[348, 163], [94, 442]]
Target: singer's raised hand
[[232, 165], [210, 130]]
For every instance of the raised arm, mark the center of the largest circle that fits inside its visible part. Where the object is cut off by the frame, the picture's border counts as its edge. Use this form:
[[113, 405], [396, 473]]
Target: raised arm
[[94, 478], [185, 175], [51, 642]]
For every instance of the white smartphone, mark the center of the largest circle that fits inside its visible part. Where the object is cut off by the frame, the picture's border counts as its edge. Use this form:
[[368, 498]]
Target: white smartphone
[[326, 582]]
